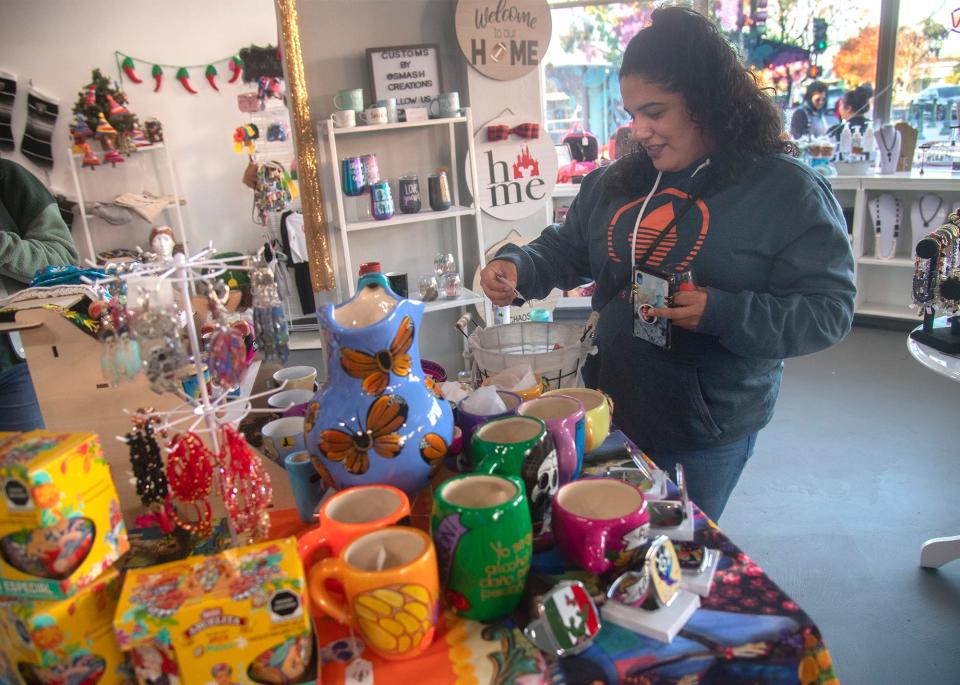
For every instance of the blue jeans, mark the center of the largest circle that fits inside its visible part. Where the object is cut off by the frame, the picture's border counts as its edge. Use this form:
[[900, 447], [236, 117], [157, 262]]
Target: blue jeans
[[712, 473], [19, 409]]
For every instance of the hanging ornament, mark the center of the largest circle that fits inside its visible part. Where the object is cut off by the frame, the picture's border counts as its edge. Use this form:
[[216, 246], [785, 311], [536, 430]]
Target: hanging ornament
[[90, 159], [116, 108], [91, 99], [226, 351], [128, 69], [104, 129], [157, 73], [211, 75], [183, 76], [236, 67]]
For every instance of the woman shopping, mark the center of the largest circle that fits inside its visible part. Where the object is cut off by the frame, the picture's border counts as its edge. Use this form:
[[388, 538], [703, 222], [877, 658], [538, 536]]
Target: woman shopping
[[710, 198]]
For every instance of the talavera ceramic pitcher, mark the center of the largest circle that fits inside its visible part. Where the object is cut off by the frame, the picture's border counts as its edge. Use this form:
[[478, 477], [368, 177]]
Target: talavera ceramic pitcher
[[375, 420]]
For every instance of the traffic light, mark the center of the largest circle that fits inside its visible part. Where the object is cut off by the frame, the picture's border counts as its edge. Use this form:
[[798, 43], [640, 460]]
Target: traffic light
[[813, 72], [819, 35]]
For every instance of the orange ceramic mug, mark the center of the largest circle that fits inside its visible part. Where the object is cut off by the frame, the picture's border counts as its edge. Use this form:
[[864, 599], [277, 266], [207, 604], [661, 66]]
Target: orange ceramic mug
[[349, 514], [391, 586]]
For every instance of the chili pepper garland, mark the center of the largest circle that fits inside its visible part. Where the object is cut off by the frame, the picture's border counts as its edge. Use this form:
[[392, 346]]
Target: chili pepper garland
[[183, 76], [127, 66], [211, 75]]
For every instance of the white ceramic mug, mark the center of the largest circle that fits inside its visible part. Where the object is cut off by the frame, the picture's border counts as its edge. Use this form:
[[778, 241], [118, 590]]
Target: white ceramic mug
[[374, 115], [448, 105], [391, 106], [291, 402], [282, 437], [344, 118], [297, 377]]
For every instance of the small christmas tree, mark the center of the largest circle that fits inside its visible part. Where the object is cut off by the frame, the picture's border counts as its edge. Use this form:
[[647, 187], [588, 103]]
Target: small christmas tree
[[102, 96]]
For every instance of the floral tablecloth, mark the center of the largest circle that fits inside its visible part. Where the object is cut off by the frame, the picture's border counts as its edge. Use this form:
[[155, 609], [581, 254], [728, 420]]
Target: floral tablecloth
[[747, 631]]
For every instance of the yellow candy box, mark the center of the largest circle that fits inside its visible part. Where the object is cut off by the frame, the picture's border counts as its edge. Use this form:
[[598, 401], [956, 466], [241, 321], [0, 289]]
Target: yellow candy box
[[237, 617], [64, 641], [60, 521]]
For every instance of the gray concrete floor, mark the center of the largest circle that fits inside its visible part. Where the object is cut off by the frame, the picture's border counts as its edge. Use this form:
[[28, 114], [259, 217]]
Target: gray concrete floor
[[858, 468]]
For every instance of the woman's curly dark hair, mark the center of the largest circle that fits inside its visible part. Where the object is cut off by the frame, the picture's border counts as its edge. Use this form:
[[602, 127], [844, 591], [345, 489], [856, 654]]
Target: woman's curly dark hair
[[683, 51]]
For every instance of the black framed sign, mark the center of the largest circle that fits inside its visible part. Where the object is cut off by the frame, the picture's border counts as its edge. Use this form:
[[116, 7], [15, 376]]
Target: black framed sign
[[409, 73]]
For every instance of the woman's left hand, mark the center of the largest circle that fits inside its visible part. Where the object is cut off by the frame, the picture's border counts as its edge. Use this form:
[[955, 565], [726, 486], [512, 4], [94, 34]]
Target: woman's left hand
[[687, 309]]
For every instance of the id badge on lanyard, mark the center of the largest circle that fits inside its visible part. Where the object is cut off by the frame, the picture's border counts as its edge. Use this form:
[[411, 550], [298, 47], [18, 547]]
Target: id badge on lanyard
[[652, 289]]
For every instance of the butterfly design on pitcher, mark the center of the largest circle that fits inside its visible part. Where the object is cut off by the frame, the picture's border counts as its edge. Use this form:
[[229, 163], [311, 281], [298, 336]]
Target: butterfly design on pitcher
[[374, 369], [433, 449], [385, 417]]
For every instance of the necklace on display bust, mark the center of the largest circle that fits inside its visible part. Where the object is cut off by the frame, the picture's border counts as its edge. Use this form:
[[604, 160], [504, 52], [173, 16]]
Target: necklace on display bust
[[878, 217], [888, 149], [924, 219]]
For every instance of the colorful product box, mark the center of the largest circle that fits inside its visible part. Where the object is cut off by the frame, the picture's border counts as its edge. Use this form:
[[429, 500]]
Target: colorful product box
[[237, 617], [61, 526], [69, 641]]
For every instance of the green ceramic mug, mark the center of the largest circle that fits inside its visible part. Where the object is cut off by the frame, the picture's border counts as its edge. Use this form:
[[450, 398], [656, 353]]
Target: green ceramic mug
[[483, 535], [521, 446]]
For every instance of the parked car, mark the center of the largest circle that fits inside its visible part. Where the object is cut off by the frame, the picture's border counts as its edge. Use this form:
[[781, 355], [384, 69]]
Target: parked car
[[944, 100]]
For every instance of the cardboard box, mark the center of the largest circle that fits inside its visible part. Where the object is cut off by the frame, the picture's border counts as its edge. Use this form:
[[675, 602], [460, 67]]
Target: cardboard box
[[66, 641], [60, 521], [65, 367], [238, 617]]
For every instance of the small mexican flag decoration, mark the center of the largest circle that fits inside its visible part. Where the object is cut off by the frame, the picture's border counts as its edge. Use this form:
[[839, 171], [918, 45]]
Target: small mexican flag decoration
[[571, 615]]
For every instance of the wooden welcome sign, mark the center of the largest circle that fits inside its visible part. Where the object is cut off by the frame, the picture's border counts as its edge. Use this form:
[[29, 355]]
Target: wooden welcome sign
[[503, 39]]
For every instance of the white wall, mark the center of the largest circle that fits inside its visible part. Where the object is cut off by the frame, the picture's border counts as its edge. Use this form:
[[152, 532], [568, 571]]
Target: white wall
[[56, 44]]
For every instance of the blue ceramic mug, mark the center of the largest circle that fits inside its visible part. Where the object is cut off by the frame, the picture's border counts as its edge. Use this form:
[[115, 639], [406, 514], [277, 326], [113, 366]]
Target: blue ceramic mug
[[307, 486]]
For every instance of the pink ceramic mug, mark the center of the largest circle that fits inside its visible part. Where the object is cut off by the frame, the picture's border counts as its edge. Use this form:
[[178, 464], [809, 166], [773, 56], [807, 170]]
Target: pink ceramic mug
[[600, 523], [565, 421]]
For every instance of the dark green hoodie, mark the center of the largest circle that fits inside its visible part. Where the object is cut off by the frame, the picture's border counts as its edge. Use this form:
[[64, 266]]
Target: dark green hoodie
[[32, 236], [772, 250]]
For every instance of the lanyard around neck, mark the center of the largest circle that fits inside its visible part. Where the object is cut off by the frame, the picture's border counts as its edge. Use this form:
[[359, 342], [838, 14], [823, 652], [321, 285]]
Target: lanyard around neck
[[667, 228]]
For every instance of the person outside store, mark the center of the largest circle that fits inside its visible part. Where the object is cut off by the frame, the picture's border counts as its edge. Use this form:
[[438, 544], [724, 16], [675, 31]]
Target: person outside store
[[809, 119], [852, 109], [711, 191], [33, 236]]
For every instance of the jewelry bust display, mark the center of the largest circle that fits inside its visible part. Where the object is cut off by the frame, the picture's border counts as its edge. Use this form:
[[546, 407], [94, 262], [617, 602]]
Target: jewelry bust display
[[927, 214], [888, 148], [886, 211]]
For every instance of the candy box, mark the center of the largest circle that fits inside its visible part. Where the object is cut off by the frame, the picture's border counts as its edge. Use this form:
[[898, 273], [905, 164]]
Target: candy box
[[237, 617], [67, 641], [60, 521]]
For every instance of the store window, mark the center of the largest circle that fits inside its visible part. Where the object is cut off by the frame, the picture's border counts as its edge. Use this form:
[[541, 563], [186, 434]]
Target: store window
[[581, 89], [927, 73]]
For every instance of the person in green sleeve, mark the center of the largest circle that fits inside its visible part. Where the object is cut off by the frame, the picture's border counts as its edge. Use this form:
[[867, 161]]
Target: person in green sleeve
[[32, 236], [711, 191]]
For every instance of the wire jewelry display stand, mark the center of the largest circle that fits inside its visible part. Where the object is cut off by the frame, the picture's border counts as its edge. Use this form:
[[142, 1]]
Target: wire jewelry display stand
[[936, 286], [212, 411]]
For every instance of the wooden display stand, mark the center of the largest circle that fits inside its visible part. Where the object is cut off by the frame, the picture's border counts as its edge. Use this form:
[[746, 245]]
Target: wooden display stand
[[64, 363]]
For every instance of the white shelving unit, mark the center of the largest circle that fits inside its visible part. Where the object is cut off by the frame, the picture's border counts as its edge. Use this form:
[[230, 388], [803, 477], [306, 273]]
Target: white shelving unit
[[452, 217], [159, 157], [883, 285]]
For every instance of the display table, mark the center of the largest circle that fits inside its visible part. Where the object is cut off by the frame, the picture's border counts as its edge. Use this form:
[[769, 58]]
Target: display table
[[747, 630], [938, 551]]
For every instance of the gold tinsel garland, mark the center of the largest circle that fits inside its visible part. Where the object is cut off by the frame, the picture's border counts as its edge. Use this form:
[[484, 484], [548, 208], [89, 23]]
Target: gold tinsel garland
[[314, 224]]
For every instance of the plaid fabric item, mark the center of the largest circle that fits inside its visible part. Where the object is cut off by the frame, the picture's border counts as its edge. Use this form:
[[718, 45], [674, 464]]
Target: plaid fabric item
[[502, 131]]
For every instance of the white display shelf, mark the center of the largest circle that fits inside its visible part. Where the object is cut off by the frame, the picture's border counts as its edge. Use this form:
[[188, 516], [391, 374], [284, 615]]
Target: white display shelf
[[892, 311], [467, 297], [566, 189], [373, 128], [895, 261], [305, 340], [400, 219]]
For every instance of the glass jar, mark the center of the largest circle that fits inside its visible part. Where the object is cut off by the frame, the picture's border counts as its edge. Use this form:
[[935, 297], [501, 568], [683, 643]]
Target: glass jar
[[450, 285], [427, 286]]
